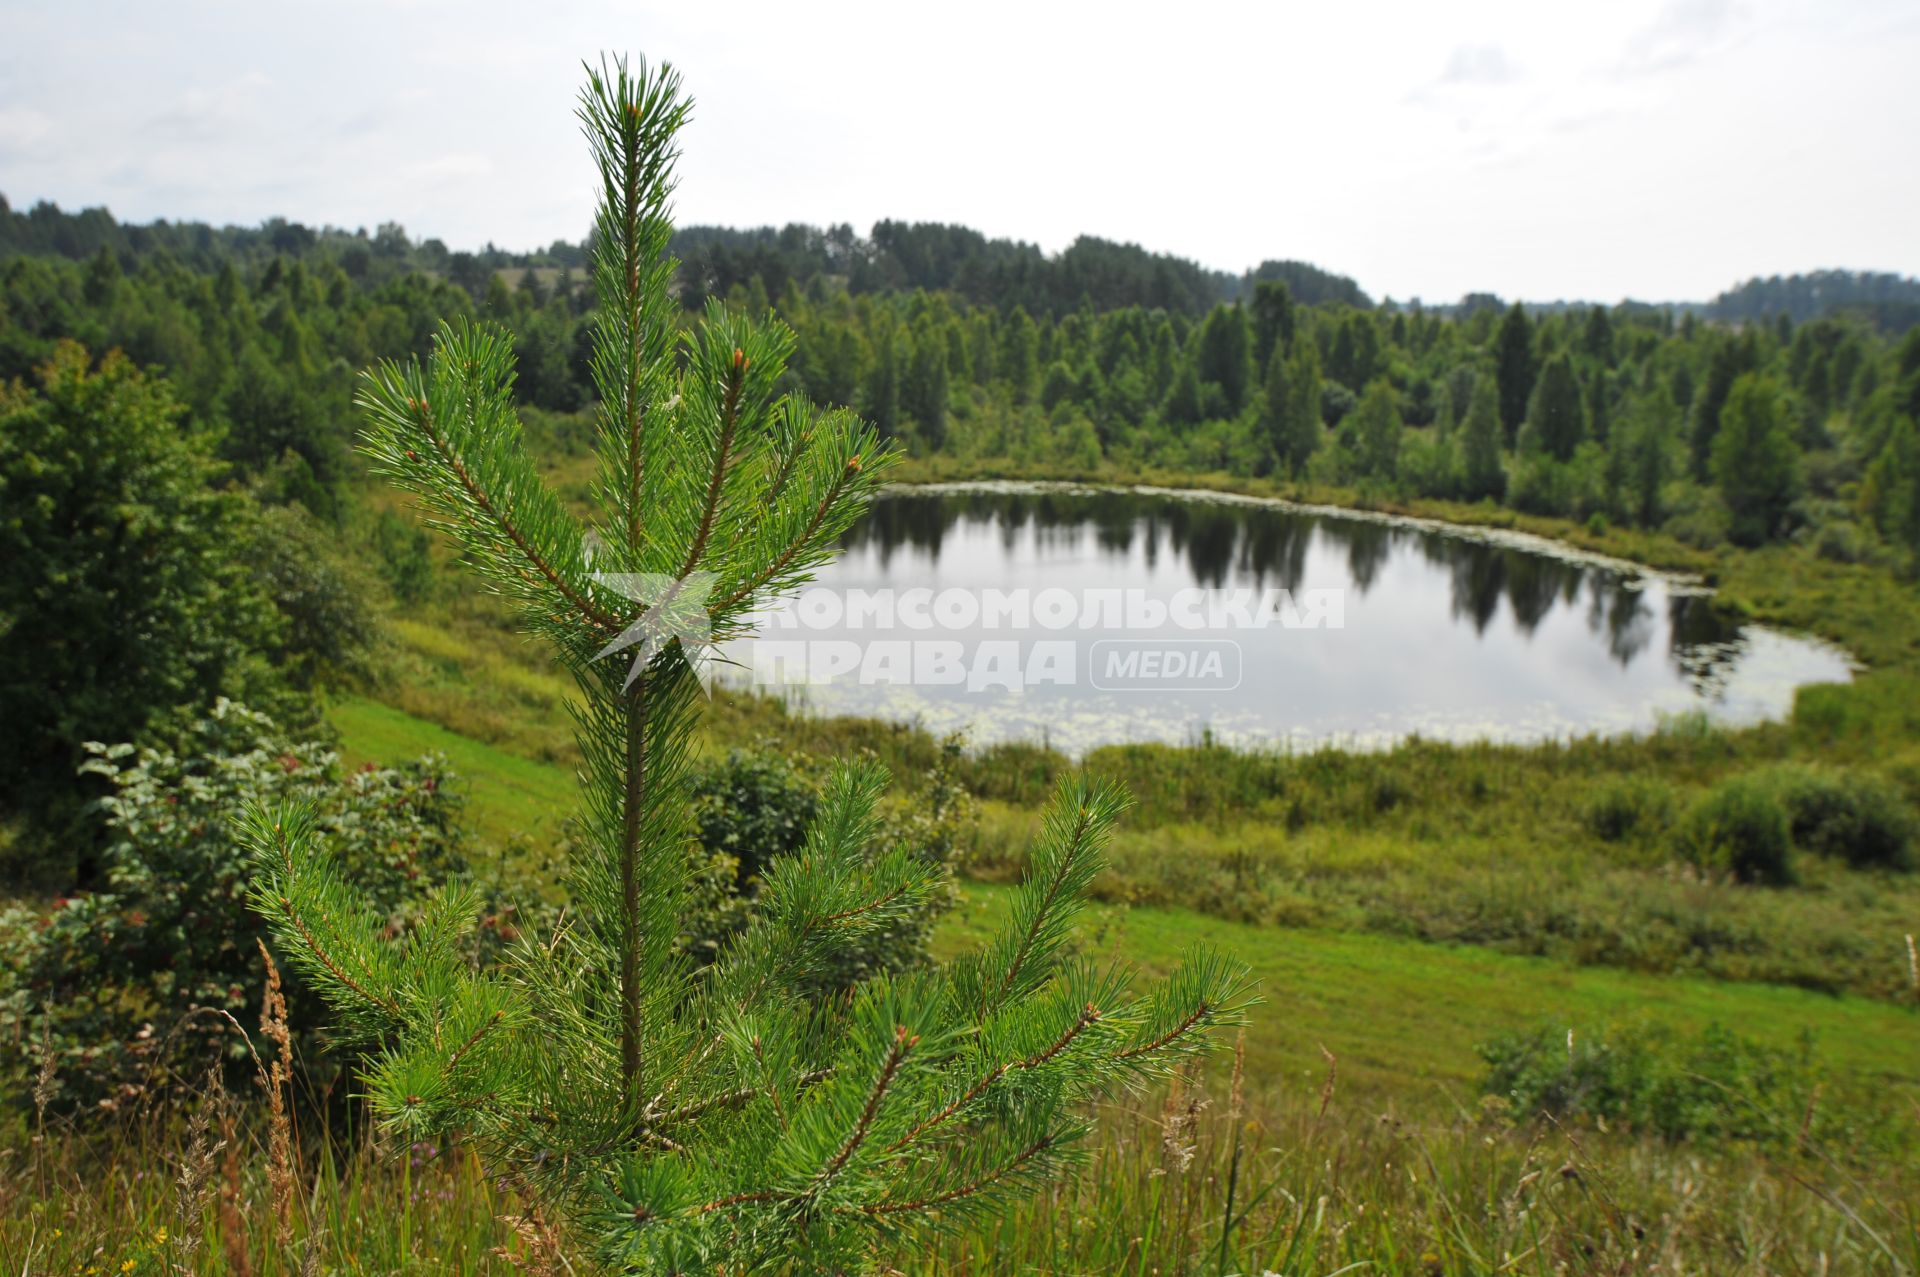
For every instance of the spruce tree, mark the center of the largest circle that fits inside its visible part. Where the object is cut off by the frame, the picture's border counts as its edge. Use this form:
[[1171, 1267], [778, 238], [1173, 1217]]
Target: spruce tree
[[1646, 441], [1224, 356], [1514, 367], [1556, 419], [1273, 321], [721, 1117]]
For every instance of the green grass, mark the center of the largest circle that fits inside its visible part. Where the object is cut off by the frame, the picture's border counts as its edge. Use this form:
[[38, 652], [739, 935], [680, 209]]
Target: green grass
[[1396, 1010], [1392, 1164], [509, 799], [1403, 1015]]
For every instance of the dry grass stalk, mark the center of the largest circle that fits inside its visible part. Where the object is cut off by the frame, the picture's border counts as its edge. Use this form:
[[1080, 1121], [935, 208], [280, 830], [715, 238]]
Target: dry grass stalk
[[1237, 1092], [277, 1080], [1326, 1087], [1179, 1122], [233, 1230], [539, 1251], [193, 1190]]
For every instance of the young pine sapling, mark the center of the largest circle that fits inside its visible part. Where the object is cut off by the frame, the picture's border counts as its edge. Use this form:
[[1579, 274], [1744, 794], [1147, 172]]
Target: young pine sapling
[[689, 1115]]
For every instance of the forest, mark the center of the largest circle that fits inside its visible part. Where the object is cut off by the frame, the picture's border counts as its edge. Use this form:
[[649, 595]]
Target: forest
[[215, 612]]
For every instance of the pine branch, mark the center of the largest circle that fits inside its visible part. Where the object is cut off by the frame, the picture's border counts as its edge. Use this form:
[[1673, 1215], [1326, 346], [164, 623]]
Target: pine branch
[[1087, 1018], [1166, 1039], [795, 547], [722, 456], [473, 1040], [923, 1204], [903, 1042], [1055, 885], [333, 968], [743, 1095], [581, 603]]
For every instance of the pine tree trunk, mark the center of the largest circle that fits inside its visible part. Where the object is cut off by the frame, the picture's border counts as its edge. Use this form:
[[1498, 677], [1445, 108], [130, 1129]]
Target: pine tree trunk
[[635, 799]]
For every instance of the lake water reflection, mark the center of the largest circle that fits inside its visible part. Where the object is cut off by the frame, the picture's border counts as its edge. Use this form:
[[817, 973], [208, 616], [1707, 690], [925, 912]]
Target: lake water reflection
[[1443, 634]]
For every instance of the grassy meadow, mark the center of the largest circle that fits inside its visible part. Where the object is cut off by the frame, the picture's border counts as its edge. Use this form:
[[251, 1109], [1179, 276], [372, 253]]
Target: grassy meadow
[[1401, 908]]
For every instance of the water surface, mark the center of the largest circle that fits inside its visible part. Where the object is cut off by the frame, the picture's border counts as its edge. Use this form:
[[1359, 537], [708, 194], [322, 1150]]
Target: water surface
[[1446, 633]]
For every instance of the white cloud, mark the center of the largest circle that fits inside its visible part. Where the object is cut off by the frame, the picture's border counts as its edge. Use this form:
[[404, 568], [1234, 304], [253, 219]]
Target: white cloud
[[455, 165], [1566, 150], [1479, 64], [1683, 31], [23, 131]]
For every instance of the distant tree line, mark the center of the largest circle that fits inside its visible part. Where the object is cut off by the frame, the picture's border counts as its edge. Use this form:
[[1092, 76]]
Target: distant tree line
[[229, 415]]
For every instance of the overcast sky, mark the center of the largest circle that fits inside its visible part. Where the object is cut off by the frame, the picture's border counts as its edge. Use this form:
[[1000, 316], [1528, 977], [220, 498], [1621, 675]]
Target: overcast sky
[[1660, 149]]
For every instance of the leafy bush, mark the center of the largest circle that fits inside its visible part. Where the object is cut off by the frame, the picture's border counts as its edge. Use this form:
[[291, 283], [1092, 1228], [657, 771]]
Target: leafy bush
[[114, 976], [756, 805], [1711, 1085], [121, 592], [1625, 806], [753, 805], [1853, 816], [1740, 827]]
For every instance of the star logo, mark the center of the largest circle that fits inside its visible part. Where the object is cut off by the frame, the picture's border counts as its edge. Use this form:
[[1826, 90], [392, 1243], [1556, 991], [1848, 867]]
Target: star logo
[[672, 608]]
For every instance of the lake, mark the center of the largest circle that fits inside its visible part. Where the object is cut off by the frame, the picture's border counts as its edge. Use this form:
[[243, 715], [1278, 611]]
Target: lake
[[1080, 617]]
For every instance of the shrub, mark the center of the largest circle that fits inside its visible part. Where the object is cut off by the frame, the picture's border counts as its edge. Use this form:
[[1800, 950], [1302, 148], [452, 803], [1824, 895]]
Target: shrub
[[1625, 806], [114, 976], [756, 805], [1841, 543], [1713, 1084], [1740, 827], [752, 805], [121, 595], [1853, 816]]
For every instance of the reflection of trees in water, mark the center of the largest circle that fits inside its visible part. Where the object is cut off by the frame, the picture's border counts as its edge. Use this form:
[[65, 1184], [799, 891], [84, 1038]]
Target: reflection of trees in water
[[1534, 585], [1275, 550], [1207, 534], [1620, 613], [1703, 642], [1479, 583], [1249, 546], [1368, 546]]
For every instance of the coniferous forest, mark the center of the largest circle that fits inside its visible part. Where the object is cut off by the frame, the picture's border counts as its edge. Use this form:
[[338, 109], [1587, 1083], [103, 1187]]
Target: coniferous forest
[[359, 917]]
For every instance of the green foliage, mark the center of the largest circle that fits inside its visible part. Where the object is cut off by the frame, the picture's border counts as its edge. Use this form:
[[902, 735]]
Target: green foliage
[[1713, 1085], [1376, 430], [685, 1117], [754, 807], [1628, 807], [123, 589], [1755, 460], [945, 340], [329, 631], [1890, 490], [1273, 321], [1740, 827], [1224, 356], [1556, 417], [1514, 368], [1849, 815], [116, 979], [1292, 406], [1483, 478]]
